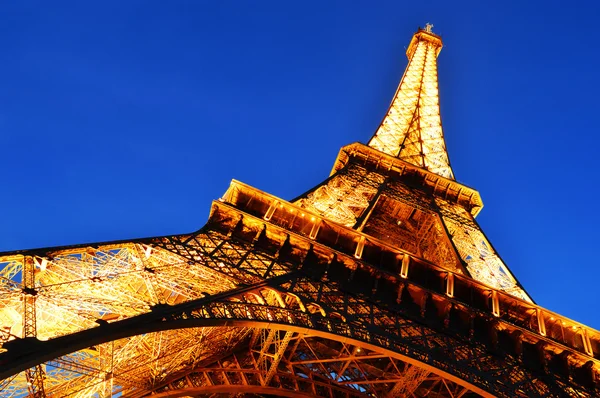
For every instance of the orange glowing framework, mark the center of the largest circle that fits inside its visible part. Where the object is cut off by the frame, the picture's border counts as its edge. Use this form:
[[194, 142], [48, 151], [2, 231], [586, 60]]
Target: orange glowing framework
[[376, 282]]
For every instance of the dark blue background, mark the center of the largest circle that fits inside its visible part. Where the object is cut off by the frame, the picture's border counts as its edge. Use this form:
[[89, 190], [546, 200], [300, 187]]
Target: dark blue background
[[125, 119]]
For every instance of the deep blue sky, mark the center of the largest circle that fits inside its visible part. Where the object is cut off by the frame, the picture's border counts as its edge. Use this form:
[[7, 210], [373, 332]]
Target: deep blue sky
[[125, 119]]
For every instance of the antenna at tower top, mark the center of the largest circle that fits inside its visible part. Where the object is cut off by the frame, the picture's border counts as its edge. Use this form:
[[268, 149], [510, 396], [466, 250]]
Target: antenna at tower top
[[428, 27]]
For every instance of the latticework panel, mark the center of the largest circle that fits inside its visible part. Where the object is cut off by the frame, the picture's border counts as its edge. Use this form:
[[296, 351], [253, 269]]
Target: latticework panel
[[316, 366], [434, 247], [70, 290], [128, 366], [411, 229], [345, 196], [77, 288], [482, 261]]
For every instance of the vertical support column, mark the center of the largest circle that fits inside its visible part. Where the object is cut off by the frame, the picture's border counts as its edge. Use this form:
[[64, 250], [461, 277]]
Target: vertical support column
[[283, 344], [35, 375], [483, 262], [29, 293], [262, 363], [106, 357]]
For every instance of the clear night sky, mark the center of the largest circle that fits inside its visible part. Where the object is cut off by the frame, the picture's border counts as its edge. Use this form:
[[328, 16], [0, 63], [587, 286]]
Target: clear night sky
[[127, 119]]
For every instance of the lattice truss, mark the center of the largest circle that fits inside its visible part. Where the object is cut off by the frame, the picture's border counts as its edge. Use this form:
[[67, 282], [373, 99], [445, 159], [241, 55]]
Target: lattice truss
[[239, 360], [344, 196], [404, 218], [77, 289], [412, 128], [482, 261], [304, 363], [125, 366]]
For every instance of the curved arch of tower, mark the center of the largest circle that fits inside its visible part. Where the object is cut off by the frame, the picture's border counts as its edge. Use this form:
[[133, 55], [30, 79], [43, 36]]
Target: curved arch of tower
[[378, 282]]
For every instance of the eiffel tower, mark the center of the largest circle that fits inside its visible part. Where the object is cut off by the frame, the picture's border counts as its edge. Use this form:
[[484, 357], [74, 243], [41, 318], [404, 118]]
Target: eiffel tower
[[378, 282]]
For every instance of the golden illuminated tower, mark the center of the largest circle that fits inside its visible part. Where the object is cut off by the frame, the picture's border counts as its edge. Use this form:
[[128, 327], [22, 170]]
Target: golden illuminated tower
[[376, 283]]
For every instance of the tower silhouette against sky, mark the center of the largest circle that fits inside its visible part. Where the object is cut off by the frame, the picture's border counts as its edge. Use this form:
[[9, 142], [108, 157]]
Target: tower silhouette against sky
[[377, 282]]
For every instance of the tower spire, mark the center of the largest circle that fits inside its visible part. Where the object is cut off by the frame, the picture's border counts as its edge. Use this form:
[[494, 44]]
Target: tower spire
[[412, 128]]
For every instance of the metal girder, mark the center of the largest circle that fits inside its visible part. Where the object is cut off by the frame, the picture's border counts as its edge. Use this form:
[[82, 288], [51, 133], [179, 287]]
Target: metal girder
[[280, 348], [238, 371], [345, 196], [34, 375], [411, 378]]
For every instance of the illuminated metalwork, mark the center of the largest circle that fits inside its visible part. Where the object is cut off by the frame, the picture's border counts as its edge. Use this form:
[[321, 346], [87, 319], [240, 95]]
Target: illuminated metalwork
[[482, 261], [345, 196], [412, 128], [377, 282]]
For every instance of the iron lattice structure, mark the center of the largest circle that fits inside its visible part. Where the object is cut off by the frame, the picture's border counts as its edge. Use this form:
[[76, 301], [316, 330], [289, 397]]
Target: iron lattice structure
[[376, 283]]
